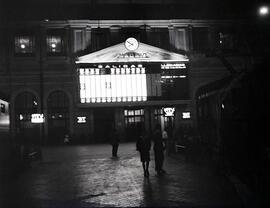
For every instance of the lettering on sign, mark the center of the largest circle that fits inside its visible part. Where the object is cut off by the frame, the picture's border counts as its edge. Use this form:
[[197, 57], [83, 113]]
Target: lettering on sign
[[185, 115], [169, 111], [37, 118], [81, 119], [173, 66], [133, 55]]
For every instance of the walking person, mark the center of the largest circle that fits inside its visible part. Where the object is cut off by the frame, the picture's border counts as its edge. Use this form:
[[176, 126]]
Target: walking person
[[143, 145], [158, 150], [114, 142], [165, 139]]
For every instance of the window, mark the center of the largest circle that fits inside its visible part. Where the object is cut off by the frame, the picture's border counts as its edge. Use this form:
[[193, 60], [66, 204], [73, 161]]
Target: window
[[133, 116], [24, 45], [226, 41], [134, 122], [3, 108], [55, 42], [200, 39]]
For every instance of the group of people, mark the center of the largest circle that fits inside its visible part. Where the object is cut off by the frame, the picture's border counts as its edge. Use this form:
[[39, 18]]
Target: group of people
[[143, 145]]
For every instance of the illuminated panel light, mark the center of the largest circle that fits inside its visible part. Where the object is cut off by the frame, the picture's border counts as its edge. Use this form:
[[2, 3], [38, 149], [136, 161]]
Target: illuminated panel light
[[21, 117], [37, 118], [22, 46], [185, 115], [183, 76], [81, 119]]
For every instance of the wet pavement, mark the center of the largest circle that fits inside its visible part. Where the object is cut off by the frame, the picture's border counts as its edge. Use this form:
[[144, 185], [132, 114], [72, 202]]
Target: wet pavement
[[87, 176]]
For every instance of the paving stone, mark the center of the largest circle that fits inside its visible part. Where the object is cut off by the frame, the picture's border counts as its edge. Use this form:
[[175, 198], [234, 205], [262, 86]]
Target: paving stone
[[87, 176]]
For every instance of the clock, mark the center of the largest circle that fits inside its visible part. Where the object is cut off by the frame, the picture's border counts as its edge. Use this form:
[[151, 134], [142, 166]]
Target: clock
[[131, 44]]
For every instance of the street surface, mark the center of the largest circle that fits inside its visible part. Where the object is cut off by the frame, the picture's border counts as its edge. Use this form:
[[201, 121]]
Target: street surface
[[87, 176]]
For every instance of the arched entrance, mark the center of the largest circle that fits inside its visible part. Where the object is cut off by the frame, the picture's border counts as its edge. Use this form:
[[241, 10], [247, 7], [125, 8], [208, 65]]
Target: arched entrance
[[58, 117], [25, 105]]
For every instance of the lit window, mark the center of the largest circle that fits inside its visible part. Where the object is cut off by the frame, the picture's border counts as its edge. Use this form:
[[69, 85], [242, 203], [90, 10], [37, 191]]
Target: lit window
[[54, 44], [24, 44]]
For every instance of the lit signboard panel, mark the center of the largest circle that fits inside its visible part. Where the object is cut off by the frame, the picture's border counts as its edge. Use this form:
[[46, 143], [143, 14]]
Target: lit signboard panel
[[110, 84], [169, 112], [4, 116], [37, 118]]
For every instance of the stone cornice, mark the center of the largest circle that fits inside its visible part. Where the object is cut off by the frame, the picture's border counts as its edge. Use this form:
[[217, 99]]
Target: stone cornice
[[173, 23]]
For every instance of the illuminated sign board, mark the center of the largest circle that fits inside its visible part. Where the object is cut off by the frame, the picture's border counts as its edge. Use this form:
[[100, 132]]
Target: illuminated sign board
[[133, 55], [168, 111], [185, 115], [173, 66], [4, 117], [81, 119], [113, 84], [37, 118]]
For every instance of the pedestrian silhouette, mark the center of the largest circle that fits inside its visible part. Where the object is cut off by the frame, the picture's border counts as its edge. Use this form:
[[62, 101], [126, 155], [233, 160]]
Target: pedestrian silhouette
[[158, 150], [114, 142], [143, 145]]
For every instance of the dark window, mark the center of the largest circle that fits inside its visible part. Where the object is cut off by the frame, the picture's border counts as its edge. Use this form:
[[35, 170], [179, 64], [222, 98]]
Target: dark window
[[55, 42], [226, 41], [3, 108], [159, 37], [24, 45], [200, 39]]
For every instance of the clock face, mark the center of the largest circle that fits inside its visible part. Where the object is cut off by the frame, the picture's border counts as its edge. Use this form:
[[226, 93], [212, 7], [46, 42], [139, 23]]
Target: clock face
[[131, 44]]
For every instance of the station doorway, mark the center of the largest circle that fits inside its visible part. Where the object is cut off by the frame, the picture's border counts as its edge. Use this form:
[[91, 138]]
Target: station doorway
[[104, 122]]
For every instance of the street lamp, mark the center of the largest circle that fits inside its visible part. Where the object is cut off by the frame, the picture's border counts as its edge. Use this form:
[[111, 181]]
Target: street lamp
[[263, 11]]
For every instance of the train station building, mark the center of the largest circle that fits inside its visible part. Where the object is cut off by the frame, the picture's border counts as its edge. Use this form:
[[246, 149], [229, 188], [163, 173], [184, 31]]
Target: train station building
[[85, 77]]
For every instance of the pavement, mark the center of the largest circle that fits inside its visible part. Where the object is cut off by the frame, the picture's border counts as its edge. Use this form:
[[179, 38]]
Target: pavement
[[87, 176]]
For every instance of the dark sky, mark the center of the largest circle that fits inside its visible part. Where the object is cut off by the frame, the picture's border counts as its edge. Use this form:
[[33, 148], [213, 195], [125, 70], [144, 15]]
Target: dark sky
[[130, 9]]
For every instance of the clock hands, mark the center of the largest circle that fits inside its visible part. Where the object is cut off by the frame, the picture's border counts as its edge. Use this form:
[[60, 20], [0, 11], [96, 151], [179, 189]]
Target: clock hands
[[130, 43]]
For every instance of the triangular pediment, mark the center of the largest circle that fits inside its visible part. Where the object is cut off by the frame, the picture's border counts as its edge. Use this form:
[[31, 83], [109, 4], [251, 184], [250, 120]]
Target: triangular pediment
[[119, 53]]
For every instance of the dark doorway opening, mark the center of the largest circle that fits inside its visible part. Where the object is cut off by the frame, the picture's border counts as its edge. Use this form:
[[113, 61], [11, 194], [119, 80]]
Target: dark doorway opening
[[103, 124]]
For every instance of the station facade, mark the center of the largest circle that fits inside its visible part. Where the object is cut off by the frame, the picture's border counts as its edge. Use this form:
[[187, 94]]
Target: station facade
[[87, 77]]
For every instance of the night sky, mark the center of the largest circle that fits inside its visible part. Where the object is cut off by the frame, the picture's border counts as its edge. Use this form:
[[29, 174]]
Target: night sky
[[130, 9]]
